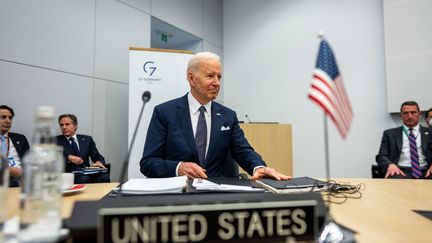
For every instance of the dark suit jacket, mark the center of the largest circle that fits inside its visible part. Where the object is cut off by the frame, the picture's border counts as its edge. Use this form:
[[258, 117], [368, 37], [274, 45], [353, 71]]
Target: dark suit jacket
[[87, 149], [391, 146], [20, 142], [170, 140]]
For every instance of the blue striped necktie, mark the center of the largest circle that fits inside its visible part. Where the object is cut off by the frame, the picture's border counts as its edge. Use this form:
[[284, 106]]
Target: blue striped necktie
[[201, 136], [415, 165]]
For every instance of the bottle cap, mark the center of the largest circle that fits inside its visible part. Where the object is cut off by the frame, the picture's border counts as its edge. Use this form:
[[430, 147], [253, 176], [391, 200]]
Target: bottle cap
[[45, 112]]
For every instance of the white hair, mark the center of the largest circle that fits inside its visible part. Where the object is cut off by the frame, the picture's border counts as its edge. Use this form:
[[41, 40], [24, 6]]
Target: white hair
[[197, 58]]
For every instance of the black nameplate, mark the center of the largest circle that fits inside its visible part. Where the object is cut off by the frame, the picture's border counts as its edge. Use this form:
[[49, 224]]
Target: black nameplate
[[275, 221]]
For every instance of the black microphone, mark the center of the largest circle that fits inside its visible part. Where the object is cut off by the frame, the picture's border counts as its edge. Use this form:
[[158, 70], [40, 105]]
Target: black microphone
[[145, 98], [248, 118]]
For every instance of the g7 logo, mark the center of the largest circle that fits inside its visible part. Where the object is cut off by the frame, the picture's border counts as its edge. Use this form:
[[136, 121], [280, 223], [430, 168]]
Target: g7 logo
[[149, 67]]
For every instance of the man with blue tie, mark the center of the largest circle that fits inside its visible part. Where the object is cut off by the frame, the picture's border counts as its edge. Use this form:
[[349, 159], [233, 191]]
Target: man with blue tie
[[195, 136], [12, 145], [405, 151], [77, 149]]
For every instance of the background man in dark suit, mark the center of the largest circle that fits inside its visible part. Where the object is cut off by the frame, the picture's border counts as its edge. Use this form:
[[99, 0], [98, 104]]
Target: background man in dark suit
[[77, 149], [12, 145], [193, 135], [394, 156]]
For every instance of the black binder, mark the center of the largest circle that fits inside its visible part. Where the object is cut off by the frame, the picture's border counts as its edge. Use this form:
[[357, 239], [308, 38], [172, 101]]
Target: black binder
[[295, 183]]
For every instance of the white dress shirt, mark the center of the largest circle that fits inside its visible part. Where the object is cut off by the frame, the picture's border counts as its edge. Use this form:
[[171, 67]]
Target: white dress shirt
[[405, 157]]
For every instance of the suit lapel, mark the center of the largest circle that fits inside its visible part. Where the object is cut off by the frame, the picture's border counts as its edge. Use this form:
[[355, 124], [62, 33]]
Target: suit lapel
[[183, 118], [82, 144], [216, 124], [424, 138], [65, 144], [17, 144], [399, 137]]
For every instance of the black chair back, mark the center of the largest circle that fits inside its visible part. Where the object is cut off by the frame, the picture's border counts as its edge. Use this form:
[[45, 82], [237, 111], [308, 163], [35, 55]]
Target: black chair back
[[376, 172]]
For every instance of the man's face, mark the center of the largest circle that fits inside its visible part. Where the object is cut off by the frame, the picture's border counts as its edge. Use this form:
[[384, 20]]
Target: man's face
[[68, 128], [205, 82], [429, 117], [410, 115], [5, 121]]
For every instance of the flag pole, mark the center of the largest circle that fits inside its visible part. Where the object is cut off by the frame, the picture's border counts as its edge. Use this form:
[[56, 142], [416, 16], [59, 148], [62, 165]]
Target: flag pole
[[326, 147], [331, 231], [326, 154]]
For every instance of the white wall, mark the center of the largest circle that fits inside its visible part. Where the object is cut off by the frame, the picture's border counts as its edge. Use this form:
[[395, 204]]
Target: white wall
[[270, 49], [408, 35], [73, 54], [53, 49]]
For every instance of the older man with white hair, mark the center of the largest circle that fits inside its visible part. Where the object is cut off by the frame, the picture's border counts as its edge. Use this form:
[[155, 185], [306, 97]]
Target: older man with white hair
[[195, 136]]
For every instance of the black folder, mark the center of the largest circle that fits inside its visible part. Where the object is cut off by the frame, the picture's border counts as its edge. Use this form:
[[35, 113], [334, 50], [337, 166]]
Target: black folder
[[295, 183]]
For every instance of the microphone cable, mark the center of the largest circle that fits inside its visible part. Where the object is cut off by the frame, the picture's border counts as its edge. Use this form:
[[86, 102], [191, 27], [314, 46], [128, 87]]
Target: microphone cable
[[341, 192]]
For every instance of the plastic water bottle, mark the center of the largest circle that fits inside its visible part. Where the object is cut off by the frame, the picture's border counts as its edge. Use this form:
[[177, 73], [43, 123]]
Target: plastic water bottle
[[4, 184], [40, 219]]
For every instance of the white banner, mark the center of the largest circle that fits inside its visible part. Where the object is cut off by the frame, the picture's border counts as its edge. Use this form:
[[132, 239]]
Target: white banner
[[164, 75]]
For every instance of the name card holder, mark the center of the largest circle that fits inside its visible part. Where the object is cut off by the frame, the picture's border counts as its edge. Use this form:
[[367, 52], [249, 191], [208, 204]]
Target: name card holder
[[271, 221]]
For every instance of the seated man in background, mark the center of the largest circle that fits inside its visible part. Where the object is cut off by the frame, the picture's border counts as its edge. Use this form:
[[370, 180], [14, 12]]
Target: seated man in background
[[405, 151], [194, 135], [77, 149], [13, 145], [428, 118]]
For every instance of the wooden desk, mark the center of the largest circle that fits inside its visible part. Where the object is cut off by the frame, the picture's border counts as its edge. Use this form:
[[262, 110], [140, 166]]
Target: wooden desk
[[91, 192], [383, 214]]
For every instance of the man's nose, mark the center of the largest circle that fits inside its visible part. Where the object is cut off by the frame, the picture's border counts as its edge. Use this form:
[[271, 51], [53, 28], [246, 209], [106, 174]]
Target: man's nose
[[216, 81]]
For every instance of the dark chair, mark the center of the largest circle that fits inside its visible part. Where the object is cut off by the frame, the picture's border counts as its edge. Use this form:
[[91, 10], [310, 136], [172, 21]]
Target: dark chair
[[108, 166], [377, 172]]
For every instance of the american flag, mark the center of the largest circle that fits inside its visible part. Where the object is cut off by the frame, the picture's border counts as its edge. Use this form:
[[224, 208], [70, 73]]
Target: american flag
[[328, 91]]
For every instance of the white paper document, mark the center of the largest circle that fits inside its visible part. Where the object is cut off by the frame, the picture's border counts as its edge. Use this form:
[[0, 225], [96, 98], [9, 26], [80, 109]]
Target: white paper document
[[206, 185], [155, 185]]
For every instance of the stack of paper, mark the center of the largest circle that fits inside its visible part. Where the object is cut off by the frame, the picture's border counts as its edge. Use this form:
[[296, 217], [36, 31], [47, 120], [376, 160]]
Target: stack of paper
[[155, 185], [206, 185]]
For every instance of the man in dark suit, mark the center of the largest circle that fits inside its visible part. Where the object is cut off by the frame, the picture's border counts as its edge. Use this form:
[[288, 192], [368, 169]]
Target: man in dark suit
[[12, 145], [405, 151], [195, 136], [77, 149]]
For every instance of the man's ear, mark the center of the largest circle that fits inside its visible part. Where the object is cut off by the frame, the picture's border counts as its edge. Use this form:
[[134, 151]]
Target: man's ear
[[190, 76]]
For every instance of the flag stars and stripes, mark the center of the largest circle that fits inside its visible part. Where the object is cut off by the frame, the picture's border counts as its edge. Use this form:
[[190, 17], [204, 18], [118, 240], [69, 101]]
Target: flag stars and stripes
[[328, 90]]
